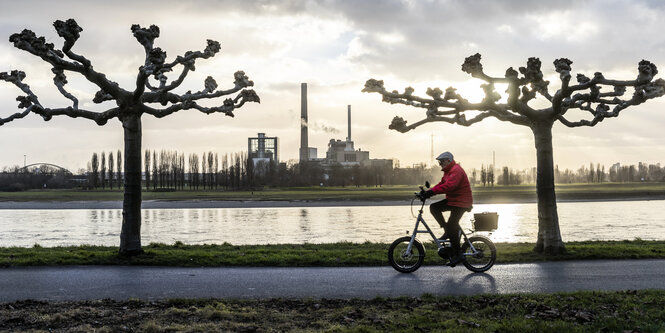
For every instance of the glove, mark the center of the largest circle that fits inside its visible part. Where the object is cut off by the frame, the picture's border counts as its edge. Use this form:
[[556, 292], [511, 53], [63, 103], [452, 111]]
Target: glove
[[428, 194]]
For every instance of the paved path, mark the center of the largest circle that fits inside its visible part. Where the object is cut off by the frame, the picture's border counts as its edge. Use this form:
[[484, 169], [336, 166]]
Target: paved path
[[122, 282]]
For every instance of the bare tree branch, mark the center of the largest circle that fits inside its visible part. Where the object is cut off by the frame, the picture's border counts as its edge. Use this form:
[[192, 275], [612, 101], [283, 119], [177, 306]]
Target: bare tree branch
[[210, 85], [60, 80], [17, 115], [644, 89], [28, 41], [451, 107], [602, 111], [162, 80], [452, 103], [16, 77], [70, 31], [25, 102], [212, 48], [156, 66], [227, 108], [101, 118]]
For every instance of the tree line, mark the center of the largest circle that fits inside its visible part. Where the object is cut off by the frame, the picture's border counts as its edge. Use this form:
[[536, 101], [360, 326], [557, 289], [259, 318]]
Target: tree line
[[101, 174], [168, 170], [172, 170], [593, 173]]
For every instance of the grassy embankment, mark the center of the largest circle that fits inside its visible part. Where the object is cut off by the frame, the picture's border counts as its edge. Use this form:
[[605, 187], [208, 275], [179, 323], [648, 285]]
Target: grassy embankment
[[301, 255], [497, 194]]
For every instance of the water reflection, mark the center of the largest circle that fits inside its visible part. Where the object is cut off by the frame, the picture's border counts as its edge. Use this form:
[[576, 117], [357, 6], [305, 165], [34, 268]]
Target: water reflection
[[517, 223], [304, 224]]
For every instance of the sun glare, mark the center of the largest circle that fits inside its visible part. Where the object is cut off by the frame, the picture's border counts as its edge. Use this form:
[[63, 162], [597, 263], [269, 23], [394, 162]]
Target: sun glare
[[472, 90]]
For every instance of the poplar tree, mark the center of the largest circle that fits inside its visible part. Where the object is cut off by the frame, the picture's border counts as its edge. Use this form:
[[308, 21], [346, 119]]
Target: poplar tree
[[111, 173], [119, 168], [102, 172]]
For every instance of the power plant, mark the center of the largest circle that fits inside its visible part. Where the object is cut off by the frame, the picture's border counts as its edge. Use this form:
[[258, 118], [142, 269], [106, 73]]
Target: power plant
[[265, 149], [338, 152]]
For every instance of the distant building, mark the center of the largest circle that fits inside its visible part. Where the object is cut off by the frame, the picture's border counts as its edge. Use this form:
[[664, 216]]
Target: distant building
[[378, 163], [342, 152], [263, 148]]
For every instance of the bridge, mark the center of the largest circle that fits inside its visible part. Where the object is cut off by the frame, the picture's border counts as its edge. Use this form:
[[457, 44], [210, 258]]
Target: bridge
[[43, 165]]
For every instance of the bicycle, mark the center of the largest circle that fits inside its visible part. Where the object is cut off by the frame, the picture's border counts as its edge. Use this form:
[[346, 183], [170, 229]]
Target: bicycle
[[406, 254]]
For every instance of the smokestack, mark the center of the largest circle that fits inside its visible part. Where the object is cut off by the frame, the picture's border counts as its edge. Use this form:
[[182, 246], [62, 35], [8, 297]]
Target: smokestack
[[304, 144], [349, 124]]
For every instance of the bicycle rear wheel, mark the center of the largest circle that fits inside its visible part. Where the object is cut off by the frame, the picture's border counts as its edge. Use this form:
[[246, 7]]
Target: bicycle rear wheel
[[484, 256], [403, 261]]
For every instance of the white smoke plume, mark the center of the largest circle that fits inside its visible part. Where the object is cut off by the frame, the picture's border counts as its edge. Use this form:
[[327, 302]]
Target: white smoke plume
[[318, 127]]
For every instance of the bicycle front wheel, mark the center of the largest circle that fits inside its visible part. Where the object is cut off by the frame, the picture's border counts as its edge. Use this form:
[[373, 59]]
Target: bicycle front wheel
[[483, 257], [406, 261]]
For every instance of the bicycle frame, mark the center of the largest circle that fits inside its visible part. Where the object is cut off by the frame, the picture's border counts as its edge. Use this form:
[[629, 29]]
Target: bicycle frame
[[439, 243]]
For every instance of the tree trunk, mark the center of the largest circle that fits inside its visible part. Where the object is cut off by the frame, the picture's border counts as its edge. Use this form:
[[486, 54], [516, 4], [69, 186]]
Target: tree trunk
[[130, 235], [549, 236]]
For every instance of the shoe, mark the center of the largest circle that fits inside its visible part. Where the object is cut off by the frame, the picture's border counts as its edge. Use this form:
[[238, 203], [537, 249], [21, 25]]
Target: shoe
[[455, 260], [444, 236], [444, 252]]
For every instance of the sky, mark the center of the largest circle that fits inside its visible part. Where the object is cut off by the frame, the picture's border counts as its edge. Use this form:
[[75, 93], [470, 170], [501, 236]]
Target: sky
[[335, 46]]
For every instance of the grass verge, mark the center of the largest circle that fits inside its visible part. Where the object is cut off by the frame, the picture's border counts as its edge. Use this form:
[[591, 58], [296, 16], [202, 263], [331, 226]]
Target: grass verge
[[337, 254], [624, 311]]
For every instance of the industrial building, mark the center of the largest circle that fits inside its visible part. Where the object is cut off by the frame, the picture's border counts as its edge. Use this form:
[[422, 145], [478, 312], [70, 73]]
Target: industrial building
[[342, 152], [263, 149], [338, 152]]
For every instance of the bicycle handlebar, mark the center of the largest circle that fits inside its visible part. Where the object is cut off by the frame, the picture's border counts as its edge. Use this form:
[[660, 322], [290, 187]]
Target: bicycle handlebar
[[420, 195]]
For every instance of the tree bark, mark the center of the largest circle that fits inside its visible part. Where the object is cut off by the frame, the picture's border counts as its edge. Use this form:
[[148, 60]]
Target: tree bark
[[549, 236], [130, 235]]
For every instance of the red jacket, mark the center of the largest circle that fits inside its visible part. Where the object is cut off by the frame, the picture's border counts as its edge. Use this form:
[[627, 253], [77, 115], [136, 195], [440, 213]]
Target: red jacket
[[455, 184]]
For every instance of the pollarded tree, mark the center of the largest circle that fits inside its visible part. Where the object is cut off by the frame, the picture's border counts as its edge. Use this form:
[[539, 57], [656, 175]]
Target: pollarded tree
[[157, 99], [584, 96]]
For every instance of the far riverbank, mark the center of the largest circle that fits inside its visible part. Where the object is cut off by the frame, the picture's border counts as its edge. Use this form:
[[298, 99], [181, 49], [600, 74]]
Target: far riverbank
[[191, 204], [212, 204], [317, 196]]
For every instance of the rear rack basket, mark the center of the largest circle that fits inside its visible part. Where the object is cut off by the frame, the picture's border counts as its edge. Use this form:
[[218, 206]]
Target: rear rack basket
[[486, 221]]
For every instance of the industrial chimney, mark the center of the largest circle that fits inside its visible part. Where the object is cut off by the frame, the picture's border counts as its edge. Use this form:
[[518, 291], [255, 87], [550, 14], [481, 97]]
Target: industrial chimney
[[348, 138], [304, 144], [349, 143]]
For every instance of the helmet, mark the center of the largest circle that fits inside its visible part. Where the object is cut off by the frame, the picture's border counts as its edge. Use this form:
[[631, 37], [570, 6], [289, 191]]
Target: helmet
[[445, 156]]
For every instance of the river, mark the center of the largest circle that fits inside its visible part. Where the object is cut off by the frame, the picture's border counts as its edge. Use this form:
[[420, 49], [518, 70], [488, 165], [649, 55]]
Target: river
[[579, 221]]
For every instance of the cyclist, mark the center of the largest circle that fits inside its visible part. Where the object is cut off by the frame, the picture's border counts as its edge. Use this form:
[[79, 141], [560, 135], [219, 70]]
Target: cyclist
[[455, 185]]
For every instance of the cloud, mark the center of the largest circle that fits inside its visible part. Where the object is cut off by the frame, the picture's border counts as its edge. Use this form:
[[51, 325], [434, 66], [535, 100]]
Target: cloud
[[334, 46]]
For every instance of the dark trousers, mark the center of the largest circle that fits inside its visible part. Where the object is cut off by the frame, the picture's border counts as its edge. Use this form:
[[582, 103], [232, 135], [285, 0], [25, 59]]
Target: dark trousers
[[452, 228]]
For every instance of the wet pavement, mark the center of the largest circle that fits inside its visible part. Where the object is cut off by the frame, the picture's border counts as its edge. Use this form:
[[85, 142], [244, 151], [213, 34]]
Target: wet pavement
[[123, 282]]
